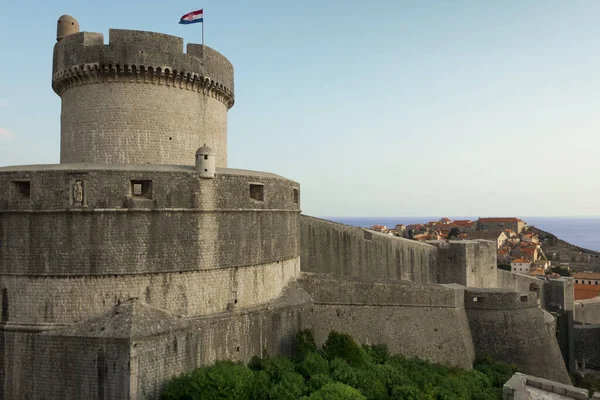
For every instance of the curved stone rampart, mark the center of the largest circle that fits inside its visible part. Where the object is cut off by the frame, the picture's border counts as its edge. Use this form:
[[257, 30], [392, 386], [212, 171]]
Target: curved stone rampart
[[77, 220], [509, 326], [75, 239], [140, 99], [64, 300]]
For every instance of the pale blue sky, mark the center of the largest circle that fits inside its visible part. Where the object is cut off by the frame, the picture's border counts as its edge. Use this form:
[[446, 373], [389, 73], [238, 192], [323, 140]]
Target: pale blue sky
[[378, 108]]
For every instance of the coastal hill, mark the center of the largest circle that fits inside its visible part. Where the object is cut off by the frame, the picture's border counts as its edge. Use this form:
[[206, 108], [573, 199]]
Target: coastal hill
[[556, 249]]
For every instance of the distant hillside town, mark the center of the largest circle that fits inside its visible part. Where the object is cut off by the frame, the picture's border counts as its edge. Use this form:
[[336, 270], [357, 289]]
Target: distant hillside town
[[522, 249]]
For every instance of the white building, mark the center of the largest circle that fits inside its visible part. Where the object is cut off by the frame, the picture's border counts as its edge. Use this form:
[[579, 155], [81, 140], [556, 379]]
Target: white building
[[521, 266]]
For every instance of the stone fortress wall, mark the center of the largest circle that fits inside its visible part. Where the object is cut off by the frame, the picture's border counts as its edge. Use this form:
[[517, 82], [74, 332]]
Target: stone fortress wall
[[586, 332], [130, 351], [140, 99], [121, 272], [343, 250], [189, 245], [410, 295], [509, 326], [415, 320]]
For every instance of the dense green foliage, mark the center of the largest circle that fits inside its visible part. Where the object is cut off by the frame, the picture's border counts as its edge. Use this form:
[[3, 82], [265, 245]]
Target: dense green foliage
[[340, 370], [505, 267]]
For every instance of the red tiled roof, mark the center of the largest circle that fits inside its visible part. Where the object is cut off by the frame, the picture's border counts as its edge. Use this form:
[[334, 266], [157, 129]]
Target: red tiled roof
[[586, 275], [521, 260]]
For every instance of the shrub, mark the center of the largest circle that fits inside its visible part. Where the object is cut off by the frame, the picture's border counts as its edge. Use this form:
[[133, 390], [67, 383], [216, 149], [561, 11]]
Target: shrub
[[405, 392], [290, 387], [378, 353], [343, 370], [313, 364], [261, 386], [224, 380], [341, 345], [305, 343], [278, 367], [316, 382], [337, 391]]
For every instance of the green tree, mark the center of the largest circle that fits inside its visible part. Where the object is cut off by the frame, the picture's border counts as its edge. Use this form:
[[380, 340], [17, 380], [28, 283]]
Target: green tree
[[454, 233], [337, 391], [223, 380], [313, 364], [341, 345], [305, 343]]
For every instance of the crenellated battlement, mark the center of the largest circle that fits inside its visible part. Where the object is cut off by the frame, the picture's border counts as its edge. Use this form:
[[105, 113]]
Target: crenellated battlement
[[141, 57], [95, 73], [140, 98]]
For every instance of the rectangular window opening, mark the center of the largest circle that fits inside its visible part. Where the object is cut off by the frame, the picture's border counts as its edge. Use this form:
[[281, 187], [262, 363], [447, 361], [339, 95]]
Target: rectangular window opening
[[477, 299], [141, 189], [524, 299], [257, 192], [296, 196], [367, 235], [22, 189]]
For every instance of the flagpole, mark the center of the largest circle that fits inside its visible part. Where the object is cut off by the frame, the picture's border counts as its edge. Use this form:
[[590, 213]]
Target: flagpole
[[202, 27]]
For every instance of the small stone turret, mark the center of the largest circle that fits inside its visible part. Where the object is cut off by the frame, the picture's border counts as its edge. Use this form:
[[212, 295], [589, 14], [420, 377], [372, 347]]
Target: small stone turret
[[66, 26], [205, 162]]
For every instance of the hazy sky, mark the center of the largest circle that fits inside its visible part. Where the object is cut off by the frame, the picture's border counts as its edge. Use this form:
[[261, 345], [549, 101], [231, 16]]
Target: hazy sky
[[380, 108]]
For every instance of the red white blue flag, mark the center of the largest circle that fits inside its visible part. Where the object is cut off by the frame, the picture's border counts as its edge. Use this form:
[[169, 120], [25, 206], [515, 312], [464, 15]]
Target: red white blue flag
[[193, 17]]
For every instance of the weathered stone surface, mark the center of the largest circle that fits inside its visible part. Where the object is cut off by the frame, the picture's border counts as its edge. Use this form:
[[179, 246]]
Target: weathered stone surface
[[120, 271], [519, 336], [587, 311], [466, 262], [426, 321], [140, 348], [140, 99], [342, 250], [587, 346]]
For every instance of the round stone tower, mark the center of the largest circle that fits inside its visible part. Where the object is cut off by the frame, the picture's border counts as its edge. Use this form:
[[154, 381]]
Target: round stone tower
[[139, 99]]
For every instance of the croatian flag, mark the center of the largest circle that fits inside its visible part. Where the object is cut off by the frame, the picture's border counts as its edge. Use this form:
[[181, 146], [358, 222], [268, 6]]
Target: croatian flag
[[192, 18]]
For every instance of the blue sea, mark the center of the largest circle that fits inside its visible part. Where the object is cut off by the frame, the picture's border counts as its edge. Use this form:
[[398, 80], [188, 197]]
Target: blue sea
[[580, 231]]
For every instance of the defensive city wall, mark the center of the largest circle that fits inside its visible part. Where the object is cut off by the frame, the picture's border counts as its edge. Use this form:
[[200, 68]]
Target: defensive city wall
[[456, 281], [141, 256]]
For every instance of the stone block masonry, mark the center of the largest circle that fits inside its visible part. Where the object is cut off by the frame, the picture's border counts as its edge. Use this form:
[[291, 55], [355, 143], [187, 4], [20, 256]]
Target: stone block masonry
[[140, 99], [426, 321], [83, 240], [125, 266], [587, 346], [587, 311], [132, 350], [509, 327], [466, 262], [48, 300], [343, 250]]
